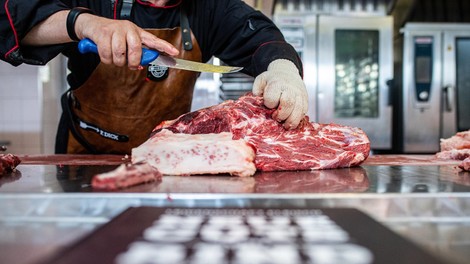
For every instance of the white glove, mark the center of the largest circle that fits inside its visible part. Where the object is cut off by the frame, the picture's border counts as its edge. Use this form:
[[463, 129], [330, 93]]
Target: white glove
[[281, 86]]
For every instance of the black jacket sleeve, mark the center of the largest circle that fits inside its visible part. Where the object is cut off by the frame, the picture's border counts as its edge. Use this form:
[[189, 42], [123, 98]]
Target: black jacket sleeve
[[17, 17], [227, 29], [242, 36]]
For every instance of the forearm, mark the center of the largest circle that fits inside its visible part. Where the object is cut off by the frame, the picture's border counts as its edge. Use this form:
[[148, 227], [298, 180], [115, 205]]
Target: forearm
[[50, 31], [119, 41]]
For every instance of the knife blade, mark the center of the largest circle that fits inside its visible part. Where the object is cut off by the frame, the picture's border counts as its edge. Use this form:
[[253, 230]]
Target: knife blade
[[156, 58]]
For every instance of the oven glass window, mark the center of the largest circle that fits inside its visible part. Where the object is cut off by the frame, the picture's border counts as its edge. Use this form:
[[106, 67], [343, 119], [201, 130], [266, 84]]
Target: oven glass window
[[463, 83], [357, 73], [423, 69]]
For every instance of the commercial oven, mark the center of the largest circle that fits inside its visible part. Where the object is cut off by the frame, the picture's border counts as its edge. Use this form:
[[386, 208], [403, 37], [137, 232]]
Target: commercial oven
[[348, 64], [436, 84]]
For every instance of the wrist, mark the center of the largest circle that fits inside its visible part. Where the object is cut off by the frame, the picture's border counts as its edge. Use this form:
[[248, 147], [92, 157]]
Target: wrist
[[283, 65], [72, 19]]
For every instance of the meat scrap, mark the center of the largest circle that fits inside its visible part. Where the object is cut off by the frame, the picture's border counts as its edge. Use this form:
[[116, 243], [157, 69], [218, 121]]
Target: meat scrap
[[461, 140], [453, 154], [8, 163], [184, 154], [465, 164], [311, 146], [126, 175], [456, 147]]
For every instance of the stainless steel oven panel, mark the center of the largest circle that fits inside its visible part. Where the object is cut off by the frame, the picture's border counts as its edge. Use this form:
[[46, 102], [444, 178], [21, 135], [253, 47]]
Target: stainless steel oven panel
[[421, 119], [310, 65], [425, 122], [301, 32], [452, 111], [379, 126], [449, 84]]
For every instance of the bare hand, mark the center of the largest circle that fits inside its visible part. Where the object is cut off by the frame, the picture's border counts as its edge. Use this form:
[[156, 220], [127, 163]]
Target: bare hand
[[119, 41]]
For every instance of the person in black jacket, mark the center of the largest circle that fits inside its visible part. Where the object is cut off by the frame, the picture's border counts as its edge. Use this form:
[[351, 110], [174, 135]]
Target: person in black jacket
[[113, 102]]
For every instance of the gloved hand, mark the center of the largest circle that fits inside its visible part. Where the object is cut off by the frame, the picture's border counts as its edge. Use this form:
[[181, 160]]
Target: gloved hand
[[282, 87]]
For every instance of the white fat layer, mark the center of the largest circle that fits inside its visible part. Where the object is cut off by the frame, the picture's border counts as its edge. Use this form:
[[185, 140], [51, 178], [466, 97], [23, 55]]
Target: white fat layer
[[184, 154]]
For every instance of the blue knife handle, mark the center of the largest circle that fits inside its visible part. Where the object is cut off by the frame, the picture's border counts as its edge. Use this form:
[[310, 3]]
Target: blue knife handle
[[148, 56], [86, 45]]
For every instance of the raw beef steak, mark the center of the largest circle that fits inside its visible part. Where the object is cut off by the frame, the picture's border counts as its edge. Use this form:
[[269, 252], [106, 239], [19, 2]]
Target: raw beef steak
[[184, 154], [310, 146], [8, 163]]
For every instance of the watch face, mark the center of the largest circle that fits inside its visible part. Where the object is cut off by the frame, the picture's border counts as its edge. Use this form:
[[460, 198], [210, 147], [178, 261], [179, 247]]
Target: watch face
[[157, 73]]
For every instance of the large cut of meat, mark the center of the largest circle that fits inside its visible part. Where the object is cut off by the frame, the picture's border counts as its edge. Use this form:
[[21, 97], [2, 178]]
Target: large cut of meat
[[185, 154], [8, 163], [126, 175], [310, 146]]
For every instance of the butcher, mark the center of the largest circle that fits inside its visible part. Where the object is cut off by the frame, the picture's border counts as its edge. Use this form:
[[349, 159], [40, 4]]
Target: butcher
[[114, 102]]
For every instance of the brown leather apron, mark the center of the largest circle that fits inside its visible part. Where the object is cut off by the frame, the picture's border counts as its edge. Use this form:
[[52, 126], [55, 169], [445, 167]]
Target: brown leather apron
[[123, 102]]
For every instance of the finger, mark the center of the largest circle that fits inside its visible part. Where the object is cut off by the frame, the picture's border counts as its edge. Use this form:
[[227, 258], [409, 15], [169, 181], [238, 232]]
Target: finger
[[119, 47], [134, 51], [286, 105], [272, 95], [296, 115], [259, 84], [161, 45], [305, 103], [105, 50]]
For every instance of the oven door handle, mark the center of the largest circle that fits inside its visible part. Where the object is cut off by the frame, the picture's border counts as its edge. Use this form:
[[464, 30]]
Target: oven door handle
[[390, 85], [447, 93]]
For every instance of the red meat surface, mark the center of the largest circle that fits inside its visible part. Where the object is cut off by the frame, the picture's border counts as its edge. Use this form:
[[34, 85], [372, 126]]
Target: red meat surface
[[311, 146], [8, 163]]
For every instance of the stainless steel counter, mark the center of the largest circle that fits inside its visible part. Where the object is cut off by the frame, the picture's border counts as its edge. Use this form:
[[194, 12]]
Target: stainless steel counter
[[47, 205]]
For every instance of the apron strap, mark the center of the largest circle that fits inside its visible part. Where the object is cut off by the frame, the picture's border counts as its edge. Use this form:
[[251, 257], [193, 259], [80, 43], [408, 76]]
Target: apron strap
[[185, 28], [69, 118], [72, 121], [124, 8]]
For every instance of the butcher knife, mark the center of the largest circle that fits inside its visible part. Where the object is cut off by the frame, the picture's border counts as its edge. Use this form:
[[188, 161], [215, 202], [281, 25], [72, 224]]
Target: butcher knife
[[154, 57]]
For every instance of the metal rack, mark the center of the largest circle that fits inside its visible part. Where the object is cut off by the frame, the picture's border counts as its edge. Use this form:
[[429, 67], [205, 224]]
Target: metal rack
[[235, 85]]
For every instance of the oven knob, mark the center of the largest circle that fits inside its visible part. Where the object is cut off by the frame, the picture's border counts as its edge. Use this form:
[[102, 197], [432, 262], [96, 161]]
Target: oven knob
[[423, 95]]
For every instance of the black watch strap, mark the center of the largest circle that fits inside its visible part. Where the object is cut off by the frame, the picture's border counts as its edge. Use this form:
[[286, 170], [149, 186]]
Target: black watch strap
[[72, 18]]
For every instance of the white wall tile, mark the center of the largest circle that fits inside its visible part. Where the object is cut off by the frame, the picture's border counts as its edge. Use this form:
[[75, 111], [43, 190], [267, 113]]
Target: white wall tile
[[11, 110], [30, 110], [20, 113]]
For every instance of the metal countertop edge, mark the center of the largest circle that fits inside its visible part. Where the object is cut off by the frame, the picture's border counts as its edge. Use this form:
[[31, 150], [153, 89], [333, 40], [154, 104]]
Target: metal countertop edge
[[218, 196]]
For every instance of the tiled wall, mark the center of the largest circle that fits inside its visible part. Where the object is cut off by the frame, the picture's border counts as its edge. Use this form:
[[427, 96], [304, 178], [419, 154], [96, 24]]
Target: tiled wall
[[20, 108]]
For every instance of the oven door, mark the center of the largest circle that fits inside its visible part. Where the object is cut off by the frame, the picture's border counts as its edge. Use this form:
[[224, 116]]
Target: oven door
[[456, 83], [355, 57], [422, 84]]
